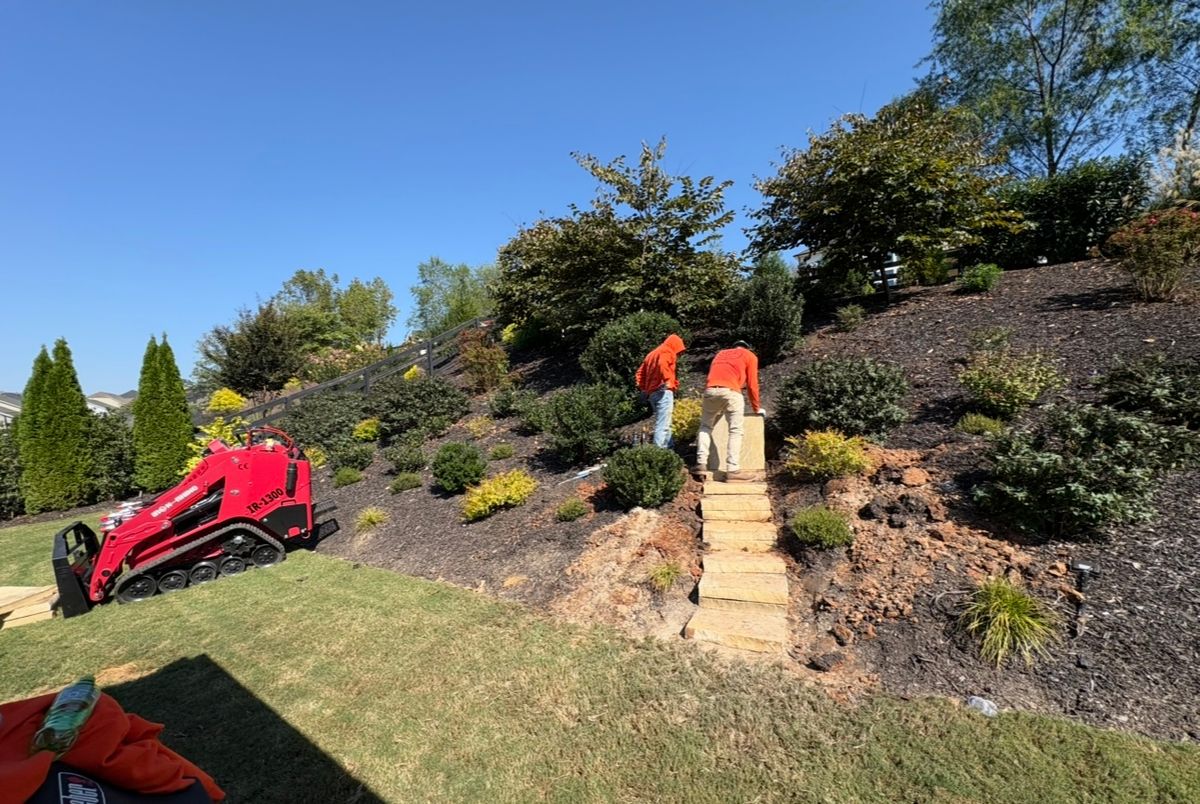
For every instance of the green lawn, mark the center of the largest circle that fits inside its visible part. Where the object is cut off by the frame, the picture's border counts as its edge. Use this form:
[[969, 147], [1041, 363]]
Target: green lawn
[[321, 681], [25, 552]]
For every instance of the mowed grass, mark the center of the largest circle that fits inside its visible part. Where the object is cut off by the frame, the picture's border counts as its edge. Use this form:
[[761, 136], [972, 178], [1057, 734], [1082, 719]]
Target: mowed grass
[[25, 552], [321, 681]]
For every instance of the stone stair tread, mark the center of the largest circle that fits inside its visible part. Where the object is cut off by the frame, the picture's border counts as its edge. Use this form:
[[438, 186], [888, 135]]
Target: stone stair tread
[[727, 562], [760, 515], [742, 546], [735, 502], [755, 587], [757, 631], [718, 489], [762, 531]]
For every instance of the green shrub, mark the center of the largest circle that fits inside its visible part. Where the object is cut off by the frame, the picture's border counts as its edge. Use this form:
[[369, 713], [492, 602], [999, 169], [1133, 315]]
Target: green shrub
[[990, 339], [478, 426], [370, 518], [1007, 620], [317, 457], [484, 361], [502, 451], [1160, 250], [11, 502], [664, 576], [932, 269], [685, 420], [850, 317], [366, 430], [820, 527], [571, 509], [345, 476], [509, 402], [426, 404], [534, 414], [1168, 392], [978, 424], [324, 420], [356, 456], [405, 481], [456, 466], [765, 310], [645, 476], [507, 490], [1080, 468], [614, 353], [825, 454], [582, 421], [405, 455], [110, 447], [857, 396], [1067, 214], [981, 278], [1004, 382]]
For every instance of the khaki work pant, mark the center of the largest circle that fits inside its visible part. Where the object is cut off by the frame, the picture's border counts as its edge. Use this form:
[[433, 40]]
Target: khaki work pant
[[720, 402]]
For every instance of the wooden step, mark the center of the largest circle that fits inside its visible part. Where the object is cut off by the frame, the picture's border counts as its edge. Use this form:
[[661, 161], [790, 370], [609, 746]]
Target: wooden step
[[715, 488], [736, 502], [754, 587], [759, 632], [15, 597], [741, 531], [742, 546], [727, 562], [744, 515]]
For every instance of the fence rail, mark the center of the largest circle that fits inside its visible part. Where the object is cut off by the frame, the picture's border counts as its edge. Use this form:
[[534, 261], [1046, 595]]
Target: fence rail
[[433, 355]]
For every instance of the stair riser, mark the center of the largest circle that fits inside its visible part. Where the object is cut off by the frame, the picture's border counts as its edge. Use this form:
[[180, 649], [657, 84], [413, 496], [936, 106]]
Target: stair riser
[[736, 516], [723, 604], [739, 641]]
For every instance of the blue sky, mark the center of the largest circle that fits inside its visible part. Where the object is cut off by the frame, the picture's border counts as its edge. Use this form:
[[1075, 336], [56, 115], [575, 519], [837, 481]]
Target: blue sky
[[165, 163]]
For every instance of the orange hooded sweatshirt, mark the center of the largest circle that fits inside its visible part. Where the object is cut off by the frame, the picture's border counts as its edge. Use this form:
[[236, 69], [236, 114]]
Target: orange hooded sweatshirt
[[736, 369], [114, 746], [658, 369]]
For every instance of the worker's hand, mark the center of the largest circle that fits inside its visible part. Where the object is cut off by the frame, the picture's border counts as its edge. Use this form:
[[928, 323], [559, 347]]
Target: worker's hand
[[762, 412]]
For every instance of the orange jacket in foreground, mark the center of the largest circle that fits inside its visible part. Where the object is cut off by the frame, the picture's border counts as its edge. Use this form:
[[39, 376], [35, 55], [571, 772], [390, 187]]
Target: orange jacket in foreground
[[658, 368], [118, 748], [736, 369]]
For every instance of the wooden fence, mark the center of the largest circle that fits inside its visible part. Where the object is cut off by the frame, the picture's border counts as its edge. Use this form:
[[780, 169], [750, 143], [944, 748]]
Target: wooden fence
[[432, 355]]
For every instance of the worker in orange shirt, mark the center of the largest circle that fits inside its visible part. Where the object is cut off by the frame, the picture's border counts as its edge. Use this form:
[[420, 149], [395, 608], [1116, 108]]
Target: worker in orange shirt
[[657, 380], [731, 371]]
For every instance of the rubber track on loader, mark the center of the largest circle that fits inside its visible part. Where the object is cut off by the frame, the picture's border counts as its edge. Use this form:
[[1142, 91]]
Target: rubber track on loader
[[192, 545]]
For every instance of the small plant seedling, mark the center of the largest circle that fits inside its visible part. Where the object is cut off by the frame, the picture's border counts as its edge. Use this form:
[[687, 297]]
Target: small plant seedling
[[370, 518], [1008, 620], [571, 509], [664, 576]]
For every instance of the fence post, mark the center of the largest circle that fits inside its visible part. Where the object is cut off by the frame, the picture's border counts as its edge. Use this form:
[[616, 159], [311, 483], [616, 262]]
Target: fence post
[[429, 356]]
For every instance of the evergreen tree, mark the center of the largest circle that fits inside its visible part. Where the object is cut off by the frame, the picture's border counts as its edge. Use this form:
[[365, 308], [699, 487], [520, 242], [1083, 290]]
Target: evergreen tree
[[162, 425], [11, 502], [34, 469], [111, 446], [62, 436]]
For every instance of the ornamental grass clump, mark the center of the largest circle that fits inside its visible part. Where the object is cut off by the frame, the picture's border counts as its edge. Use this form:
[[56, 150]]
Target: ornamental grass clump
[[370, 518], [823, 454], [663, 576], [978, 424], [1008, 621], [506, 490]]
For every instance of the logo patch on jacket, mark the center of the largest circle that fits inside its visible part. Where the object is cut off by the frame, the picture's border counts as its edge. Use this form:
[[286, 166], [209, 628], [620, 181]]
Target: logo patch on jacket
[[76, 789]]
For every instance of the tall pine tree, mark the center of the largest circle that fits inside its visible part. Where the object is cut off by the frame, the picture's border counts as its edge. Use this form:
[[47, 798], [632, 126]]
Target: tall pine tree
[[162, 426], [34, 468], [62, 437]]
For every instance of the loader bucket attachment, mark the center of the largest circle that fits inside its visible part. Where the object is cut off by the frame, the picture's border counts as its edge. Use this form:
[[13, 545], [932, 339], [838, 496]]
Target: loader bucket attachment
[[75, 547]]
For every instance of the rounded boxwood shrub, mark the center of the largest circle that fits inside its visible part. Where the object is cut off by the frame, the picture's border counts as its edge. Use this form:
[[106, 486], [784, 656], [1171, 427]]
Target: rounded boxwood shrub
[[457, 465], [614, 353], [571, 509], [855, 395], [820, 527], [426, 404], [356, 456], [324, 420], [645, 476], [582, 421], [502, 451]]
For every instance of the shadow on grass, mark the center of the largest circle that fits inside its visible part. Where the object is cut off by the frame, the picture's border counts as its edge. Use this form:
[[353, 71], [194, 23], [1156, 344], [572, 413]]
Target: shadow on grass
[[251, 752]]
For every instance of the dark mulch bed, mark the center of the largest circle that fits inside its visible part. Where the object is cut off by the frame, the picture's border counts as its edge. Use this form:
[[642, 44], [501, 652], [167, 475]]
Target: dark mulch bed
[[1137, 664], [519, 553]]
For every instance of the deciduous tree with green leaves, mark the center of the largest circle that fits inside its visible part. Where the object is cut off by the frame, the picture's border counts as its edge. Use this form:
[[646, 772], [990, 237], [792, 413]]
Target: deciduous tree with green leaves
[[1049, 78], [260, 352], [648, 241], [447, 295], [913, 180]]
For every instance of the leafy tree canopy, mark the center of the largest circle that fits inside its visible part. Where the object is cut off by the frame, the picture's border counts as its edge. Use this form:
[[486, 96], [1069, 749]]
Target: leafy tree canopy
[[328, 315], [448, 295]]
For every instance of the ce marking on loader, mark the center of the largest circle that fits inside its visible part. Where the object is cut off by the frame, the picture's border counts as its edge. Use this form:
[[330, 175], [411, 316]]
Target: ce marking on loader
[[266, 498]]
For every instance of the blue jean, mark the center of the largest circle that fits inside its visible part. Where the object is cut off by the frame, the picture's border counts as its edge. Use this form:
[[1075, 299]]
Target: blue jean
[[663, 403]]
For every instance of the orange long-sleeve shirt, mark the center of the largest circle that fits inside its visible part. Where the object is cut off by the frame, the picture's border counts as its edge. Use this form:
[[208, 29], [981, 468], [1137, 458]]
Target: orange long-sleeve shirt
[[736, 369], [658, 369]]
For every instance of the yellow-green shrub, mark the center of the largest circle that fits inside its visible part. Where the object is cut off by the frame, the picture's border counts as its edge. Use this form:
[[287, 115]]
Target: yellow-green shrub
[[317, 457], [218, 428], [506, 490], [414, 373], [478, 426], [508, 335], [225, 400], [293, 385], [366, 430], [685, 420], [826, 453]]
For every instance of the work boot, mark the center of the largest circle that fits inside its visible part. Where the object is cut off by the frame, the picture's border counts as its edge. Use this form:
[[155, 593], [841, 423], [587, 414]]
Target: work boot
[[701, 473], [740, 476]]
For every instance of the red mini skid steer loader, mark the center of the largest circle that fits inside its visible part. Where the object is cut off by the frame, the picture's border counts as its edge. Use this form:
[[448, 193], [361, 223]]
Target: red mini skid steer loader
[[241, 507]]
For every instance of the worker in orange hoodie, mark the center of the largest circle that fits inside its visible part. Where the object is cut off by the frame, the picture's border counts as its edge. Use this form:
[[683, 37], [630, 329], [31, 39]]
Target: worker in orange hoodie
[[731, 371], [657, 380]]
